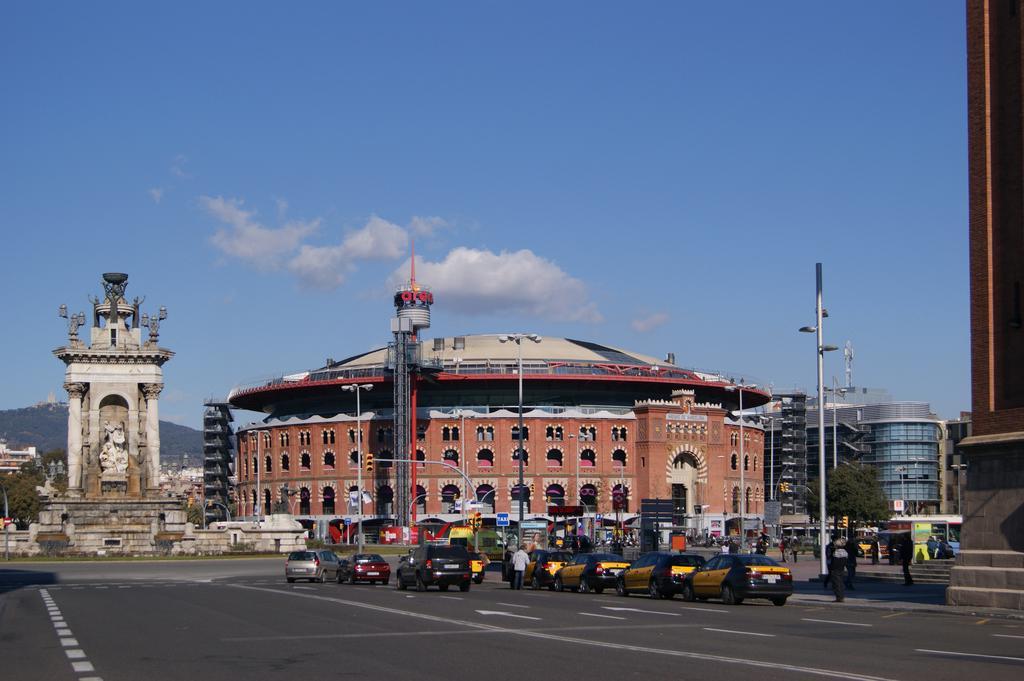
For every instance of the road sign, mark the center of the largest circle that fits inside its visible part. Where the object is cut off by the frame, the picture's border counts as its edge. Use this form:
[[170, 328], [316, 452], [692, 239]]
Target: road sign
[[598, 517], [6, 521], [502, 520], [348, 521]]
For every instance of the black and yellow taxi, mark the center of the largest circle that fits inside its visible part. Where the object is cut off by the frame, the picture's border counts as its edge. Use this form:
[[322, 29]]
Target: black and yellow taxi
[[543, 565], [735, 577], [659, 574], [590, 572]]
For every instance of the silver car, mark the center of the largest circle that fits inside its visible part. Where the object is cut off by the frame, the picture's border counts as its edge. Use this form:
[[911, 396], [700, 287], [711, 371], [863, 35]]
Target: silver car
[[316, 566]]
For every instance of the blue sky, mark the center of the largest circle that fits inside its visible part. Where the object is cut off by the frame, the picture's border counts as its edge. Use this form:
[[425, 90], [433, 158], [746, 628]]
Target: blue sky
[[659, 176]]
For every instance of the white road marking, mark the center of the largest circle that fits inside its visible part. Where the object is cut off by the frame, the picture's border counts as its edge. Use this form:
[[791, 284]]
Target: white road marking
[[451, 598], [848, 624], [506, 614], [513, 605], [744, 633], [594, 614], [75, 654], [82, 667], [649, 612], [63, 632], [1006, 636], [950, 652], [549, 636], [309, 588], [68, 642], [684, 607]]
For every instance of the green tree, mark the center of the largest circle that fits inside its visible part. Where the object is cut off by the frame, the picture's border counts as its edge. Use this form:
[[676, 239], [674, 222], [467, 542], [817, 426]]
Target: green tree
[[22, 497], [853, 491]]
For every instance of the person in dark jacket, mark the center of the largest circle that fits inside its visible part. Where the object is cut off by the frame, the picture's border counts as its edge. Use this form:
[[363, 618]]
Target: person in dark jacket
[[829, 548], [906, 545], [875, 549], [853, 552], [837, 568]]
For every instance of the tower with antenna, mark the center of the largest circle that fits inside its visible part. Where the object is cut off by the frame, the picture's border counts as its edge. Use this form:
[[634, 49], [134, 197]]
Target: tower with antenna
[[412, 314], [848, 358]]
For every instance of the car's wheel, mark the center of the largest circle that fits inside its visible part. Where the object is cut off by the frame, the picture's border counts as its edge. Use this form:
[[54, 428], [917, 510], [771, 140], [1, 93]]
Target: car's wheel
[[399, 584], [688, 594], [291, 580], [352, 578], [558, 584], [584, 585], [420, 586], [535, 583], [620, 587], [442, 587], [478, 579], [338, 577], [653, 591], [385, 581], [729, 596], [321, 578], [464, 587], [779, 600], [598, 589]]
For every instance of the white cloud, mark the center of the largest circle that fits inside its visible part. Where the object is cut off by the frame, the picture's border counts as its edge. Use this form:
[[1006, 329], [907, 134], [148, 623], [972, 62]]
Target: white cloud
[[480, 282], [249, 240], [649, 323], [377, 240], [328, 266], [426, 226], [156, 193]]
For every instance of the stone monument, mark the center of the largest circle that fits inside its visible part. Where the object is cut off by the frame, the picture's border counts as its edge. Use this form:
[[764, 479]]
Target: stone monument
[[113, 502]]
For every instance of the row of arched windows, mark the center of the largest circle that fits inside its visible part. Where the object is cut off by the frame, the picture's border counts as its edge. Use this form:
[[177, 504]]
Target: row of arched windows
[[734, 462]]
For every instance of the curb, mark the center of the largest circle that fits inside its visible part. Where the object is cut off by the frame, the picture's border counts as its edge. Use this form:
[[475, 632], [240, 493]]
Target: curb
[[904, 606]]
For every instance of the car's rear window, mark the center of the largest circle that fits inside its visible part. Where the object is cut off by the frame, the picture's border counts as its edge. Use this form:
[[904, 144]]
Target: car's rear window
[[563, 557], [601, 557], [689, 561], [449, 552], [301, 555], [368, 558]]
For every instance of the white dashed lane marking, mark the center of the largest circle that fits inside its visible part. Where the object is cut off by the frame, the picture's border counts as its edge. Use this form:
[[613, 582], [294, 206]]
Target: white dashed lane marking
[[68, 642]]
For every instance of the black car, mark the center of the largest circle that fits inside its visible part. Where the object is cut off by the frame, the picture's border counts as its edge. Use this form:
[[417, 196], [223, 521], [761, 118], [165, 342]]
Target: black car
[[659, 574], [734, 577], [435, 564]]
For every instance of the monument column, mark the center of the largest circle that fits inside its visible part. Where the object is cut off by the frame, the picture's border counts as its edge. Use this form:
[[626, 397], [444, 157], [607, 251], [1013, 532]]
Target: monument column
[[75, 393], [152, 393]]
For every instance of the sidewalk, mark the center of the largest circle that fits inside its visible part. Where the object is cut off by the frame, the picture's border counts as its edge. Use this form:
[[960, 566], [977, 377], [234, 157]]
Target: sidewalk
[[879, 595]]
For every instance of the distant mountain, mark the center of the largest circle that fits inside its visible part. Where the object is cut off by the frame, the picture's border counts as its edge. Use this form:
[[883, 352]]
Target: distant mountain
[[45, 426]]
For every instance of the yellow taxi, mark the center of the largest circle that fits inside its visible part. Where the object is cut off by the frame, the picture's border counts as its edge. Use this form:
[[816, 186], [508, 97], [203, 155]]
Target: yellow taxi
[[590, 572], [735, 577], [477, 563], [660, 574], [543, 565]]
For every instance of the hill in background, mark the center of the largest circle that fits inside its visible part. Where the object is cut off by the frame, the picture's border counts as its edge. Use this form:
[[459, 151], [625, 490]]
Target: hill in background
[[45, 426]]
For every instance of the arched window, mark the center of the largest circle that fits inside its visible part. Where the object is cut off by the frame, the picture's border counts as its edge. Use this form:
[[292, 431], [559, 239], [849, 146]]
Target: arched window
[[554, 458], [328, 495], [328, 459], [485, 458], [619, 458], [588, 458], [253, 501], [526, 456], [420, 500], [588, 497], [734, 461], [735, 499], [285, 462], [382, 459], [450, 456], [304, 501], [515, 433], [353, 497], [352, 435], [266, 502], [323, 433], [748, 496], [455, 433], [746, 462], [734, 439], [255, 465], [268, 465], [385, 499], [518, 490], [246, 466], [620, 497], [553, 433], [304, 461], [588, 434], [446, 434], [449, 495], [485, 495], [353, 458], [755, 463], [485, 433], [555, 494], [421, 456]]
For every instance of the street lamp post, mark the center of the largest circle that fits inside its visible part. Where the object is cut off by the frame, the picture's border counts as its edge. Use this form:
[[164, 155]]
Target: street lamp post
[[357, 389], [836, 390], [517, 338], [821, 349]]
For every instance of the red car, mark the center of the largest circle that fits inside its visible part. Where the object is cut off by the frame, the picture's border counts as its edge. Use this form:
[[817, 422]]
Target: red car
[[369, 567]]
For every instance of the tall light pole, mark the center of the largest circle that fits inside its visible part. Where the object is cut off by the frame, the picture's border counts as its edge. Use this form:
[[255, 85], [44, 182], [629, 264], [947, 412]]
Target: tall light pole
[[821, 349], [517, 338], [743, 464], [357, 389], [836, 390], [771, 455]]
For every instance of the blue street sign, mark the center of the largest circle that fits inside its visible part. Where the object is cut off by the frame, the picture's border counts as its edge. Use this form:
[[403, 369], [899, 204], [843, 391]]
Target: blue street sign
[[598, 517], [348, 521], [501, 520]]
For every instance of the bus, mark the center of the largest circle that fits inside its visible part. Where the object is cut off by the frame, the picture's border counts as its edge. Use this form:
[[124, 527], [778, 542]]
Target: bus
[[943, 527]]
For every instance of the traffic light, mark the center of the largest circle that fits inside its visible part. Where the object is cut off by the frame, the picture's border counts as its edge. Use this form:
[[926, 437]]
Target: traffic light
[[844, 522], [475, 521], [369, 462]]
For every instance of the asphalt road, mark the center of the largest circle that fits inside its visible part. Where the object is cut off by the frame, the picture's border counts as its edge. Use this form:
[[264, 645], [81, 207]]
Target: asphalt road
[[240, 620]]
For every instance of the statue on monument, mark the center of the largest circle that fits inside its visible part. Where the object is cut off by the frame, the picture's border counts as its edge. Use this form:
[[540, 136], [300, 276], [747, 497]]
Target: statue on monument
[[114, 454]]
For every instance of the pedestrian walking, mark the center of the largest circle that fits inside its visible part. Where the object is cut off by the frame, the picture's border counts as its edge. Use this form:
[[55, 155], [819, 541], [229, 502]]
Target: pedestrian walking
[[932, 546], [782, 548], [875, 549], [506, 567], [906, 545], [829, 549], [520, 559], [837, 568], [853, 552], [734, 547]]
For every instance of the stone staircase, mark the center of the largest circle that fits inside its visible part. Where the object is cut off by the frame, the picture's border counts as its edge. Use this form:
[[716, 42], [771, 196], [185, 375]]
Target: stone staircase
[[928, 572]]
